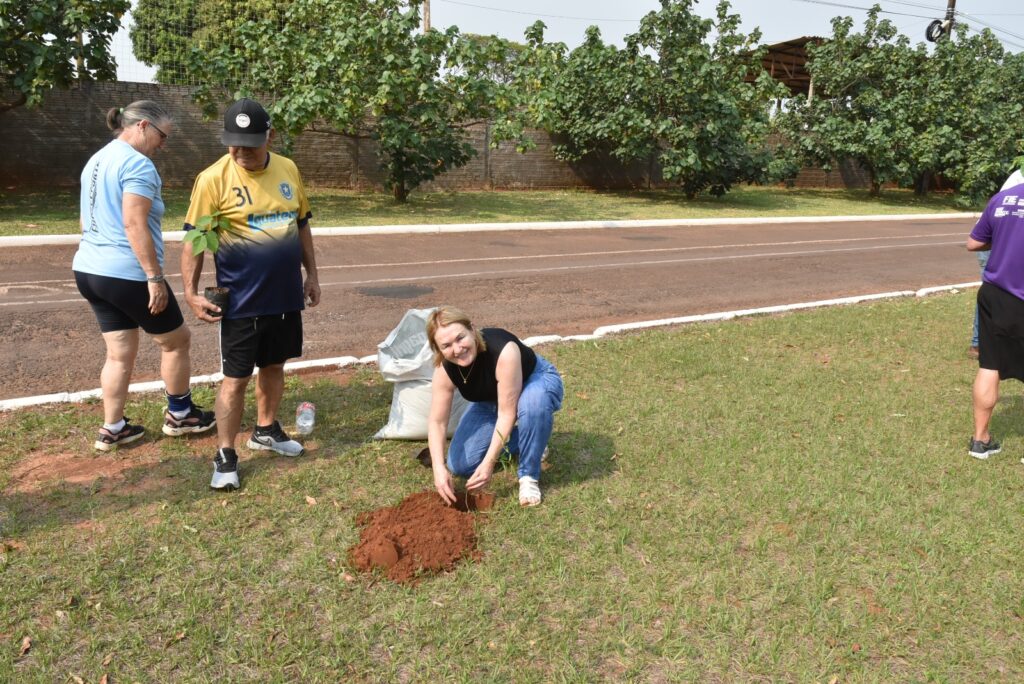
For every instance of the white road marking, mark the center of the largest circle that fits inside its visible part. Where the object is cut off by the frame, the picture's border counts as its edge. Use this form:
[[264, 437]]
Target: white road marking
[[343, 361], [616, 264], [570, 255]]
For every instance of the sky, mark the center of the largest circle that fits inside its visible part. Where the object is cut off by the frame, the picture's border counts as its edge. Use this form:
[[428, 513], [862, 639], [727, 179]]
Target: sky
[[778, 20]]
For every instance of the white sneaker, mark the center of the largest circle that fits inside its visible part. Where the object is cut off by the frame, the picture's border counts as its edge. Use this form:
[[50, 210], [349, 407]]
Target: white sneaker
[[275, 439], [225, 470]]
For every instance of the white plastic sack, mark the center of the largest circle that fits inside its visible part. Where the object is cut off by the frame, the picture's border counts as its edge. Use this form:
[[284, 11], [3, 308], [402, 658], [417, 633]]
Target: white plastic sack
[[405, 353], [410, 409], [405, 358]]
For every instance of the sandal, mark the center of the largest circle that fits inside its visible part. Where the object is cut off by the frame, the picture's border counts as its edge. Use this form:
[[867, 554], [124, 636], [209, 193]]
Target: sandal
[[529, 492]]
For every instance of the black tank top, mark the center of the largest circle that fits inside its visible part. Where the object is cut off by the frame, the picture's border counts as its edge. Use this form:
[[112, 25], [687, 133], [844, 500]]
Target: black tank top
[[481, 382]]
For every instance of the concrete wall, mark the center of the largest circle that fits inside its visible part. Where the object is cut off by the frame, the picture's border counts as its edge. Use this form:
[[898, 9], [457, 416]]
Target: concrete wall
[[49, 145]]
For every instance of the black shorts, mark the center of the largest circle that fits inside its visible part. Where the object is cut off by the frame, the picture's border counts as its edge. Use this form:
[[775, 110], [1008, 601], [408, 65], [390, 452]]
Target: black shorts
[[124, 304], [259, 341], [1000, 332]]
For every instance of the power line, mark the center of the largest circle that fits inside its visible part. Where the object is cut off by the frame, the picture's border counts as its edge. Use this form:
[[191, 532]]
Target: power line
[[865, 9], [998, 29], [536, 14]]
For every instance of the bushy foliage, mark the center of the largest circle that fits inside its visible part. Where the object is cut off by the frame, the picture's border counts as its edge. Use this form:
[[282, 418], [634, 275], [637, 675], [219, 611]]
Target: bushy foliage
[[361, 68], [53, 43], [673, 92], [907, 114]]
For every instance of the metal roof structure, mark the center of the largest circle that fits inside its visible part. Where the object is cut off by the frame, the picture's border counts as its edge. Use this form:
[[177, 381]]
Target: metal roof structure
[[787, 62]]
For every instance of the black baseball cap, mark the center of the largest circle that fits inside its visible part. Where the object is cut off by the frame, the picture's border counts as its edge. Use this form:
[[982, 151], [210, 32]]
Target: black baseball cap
[[246, 123]]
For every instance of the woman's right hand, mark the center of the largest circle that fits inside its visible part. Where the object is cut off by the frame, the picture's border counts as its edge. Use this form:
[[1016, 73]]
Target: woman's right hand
[[157, 297], [443, 485]]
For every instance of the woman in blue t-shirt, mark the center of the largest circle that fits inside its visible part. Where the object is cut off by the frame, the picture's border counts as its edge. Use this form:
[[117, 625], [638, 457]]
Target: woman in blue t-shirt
[[513, 394], [119, 269]]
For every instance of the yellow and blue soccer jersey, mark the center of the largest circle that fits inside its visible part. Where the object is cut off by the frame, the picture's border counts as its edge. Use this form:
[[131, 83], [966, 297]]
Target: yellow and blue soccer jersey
[[260, 259]]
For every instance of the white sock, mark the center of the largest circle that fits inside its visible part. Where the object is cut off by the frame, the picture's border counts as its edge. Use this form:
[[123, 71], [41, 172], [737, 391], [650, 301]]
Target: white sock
[[114, 428]]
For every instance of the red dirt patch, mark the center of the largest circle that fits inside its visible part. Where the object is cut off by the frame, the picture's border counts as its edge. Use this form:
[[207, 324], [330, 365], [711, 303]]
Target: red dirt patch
[[419, 535], [38, 470]]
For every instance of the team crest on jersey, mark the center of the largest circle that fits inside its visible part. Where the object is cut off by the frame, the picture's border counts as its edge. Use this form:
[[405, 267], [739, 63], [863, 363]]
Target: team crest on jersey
[[286, 190]]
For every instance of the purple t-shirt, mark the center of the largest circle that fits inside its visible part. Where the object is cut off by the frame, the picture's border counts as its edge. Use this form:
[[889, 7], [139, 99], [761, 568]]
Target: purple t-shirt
[[1002, 225]]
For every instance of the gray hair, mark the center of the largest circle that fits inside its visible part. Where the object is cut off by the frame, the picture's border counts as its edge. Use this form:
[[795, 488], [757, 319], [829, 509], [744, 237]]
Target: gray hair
[[119, 118]]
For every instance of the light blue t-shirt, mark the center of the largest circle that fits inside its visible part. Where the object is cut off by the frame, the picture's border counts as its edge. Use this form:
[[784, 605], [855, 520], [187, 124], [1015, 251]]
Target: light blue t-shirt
[[104, 250]]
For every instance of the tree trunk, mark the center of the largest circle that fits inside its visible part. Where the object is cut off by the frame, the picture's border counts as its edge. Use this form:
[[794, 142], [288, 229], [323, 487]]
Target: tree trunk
[[923, 183], [400, 192]]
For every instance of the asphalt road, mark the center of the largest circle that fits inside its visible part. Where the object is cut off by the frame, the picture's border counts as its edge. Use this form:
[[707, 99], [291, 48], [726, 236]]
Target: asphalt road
[[532, 282]]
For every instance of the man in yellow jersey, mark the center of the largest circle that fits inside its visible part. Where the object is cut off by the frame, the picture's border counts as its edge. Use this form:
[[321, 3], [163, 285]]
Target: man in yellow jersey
[[260, 261]]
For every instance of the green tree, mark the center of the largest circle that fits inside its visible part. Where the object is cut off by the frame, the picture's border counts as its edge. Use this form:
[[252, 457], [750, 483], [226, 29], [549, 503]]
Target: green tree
[[674, 93], [906, 114], [165, 31], [53, 43], [360, 68], [863, 107]]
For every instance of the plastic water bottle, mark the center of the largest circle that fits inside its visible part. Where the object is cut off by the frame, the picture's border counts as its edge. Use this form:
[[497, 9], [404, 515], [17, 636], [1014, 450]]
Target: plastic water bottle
[[305, 416]]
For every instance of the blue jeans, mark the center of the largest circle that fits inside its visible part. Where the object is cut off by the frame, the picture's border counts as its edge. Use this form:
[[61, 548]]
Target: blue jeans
[[535, 416], [982, 261]]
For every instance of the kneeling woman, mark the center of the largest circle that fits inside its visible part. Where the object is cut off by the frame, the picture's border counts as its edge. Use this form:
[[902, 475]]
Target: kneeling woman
[[513, 394]]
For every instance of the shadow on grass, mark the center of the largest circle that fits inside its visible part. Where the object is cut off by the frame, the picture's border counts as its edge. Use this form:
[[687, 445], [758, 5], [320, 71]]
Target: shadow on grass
[[1008, 418], [577, 456]]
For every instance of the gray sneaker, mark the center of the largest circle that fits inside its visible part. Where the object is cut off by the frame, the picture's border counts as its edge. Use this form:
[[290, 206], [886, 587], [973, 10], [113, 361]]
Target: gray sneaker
[[983, 450], [225, 470], [274, 439]]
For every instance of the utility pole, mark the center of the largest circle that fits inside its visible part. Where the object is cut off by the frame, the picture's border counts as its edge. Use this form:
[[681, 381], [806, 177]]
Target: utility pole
[[942, 27], [426, 15]]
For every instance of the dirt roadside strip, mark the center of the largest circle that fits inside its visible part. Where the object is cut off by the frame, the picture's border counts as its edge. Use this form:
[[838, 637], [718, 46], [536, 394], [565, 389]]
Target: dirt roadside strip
[[438, 228], [344, 361]]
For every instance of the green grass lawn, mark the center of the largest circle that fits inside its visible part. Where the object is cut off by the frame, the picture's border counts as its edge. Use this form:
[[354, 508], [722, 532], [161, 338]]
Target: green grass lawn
[[56, 211], [781, 498]]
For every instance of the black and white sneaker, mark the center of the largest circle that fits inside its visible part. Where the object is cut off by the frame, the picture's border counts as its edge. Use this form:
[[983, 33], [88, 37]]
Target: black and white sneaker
[[983, 450], [274, 438], [108, 441], [196, 421], [225, 470]]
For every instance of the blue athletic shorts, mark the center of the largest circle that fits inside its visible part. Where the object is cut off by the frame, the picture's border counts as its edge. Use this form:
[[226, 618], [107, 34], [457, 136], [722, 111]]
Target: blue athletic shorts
[[124, 304]]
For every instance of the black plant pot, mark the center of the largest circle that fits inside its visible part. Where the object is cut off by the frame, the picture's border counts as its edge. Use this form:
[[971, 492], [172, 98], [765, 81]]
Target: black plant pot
[[218, 296]]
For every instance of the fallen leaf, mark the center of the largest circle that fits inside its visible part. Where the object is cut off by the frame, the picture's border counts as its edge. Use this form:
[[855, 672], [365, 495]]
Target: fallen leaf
[[61, 615], [224, 503], [103, 679], [26, 645], [76, 679], [31, 225], [491, 645], [190, 528], [856, 648], [348, 578], [834, 680], [109, 659], [310, 500], [176, 638], [582, 395]]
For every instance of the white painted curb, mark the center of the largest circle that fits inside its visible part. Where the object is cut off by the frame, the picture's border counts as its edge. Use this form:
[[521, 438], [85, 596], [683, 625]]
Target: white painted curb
[[344, 361], [432, 228]]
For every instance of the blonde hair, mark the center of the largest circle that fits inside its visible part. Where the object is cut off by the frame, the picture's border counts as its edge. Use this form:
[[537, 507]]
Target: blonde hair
[[444, 316]]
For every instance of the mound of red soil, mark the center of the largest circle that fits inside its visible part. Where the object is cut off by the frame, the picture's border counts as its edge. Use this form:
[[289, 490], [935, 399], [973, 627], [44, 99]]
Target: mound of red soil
[[419, 535]]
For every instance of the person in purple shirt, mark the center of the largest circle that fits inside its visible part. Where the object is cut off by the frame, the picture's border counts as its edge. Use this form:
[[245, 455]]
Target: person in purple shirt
[[1000, 309]]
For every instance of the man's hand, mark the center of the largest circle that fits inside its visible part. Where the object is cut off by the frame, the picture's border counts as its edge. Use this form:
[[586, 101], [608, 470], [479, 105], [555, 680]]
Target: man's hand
[[311, 289], [203, 308]]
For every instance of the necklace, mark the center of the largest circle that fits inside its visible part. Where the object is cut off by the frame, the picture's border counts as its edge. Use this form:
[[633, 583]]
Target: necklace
[[465, 376]]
